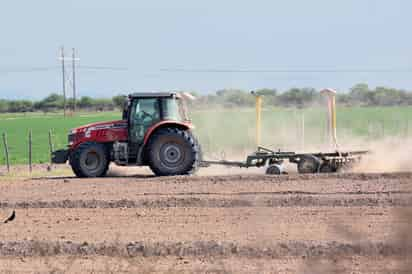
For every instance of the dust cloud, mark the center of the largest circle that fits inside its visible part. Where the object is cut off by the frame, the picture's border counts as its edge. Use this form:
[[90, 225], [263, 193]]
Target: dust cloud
[[231, 135], [387, 155]]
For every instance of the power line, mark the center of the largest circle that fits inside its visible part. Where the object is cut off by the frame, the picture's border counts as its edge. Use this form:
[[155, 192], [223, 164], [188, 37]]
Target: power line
[[351, 70], [192, 70], [103, 68], [56, 68], [28, 69]]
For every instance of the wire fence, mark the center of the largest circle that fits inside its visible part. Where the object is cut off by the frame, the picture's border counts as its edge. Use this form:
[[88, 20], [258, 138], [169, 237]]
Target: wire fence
[[13, 151]]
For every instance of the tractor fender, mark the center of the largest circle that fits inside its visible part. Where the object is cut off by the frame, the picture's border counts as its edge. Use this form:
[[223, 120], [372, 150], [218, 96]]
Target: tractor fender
[[164, 124], [153, 129]]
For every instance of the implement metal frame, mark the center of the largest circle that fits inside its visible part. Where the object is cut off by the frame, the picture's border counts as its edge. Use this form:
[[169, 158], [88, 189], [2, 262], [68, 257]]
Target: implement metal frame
[[266, 157]]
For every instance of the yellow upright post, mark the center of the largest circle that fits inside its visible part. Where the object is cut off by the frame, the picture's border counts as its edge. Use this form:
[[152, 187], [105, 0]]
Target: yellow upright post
[[258, 118], [333, 110], [331, 94]]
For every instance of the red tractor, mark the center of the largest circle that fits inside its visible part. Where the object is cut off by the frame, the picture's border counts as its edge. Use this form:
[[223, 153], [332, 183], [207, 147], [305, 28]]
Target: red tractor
[[155, 131]]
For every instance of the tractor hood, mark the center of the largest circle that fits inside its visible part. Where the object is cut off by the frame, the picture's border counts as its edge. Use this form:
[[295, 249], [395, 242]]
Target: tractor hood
[[100, 125], [102, 132]]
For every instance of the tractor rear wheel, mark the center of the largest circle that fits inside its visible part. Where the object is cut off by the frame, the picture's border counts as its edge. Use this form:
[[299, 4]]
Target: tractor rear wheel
[[172, 151], [90, 160]]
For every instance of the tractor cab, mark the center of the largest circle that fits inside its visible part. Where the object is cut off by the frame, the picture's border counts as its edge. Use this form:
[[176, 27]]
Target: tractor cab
[[142, 111], [145, 112]]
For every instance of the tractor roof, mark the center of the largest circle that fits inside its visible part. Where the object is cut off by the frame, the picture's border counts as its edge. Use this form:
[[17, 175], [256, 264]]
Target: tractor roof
[[153, 94]]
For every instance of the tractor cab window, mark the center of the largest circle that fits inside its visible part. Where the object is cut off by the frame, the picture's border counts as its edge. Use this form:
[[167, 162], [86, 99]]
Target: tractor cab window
[[171, 110], [174, 109], [144, 113]]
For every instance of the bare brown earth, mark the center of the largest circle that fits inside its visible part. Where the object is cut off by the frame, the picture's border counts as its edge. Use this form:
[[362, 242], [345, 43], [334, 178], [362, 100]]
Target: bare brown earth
[[245, 223]]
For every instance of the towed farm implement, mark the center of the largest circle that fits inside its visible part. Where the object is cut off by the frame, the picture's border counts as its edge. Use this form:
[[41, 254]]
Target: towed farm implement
[[323, 162]]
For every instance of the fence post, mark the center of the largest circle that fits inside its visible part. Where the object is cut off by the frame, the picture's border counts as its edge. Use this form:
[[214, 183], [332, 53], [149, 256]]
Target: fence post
[[6, 151], [30, 151], [50, 147]]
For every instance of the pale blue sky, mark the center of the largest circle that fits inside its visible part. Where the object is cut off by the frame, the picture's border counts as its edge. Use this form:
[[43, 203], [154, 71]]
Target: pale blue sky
[[148, 36]]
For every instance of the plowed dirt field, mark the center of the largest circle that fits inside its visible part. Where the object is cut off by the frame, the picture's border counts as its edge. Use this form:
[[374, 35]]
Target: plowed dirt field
[[248, 223]]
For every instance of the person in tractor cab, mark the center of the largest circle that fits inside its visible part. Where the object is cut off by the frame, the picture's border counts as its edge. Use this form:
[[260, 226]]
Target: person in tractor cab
[[146, 114]]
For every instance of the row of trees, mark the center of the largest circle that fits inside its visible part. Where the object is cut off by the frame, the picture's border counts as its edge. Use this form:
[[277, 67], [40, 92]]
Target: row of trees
[[55, 102], [359, 95], [234, 97]]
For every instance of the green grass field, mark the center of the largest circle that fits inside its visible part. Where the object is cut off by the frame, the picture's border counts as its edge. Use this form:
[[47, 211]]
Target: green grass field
[[220, 130]]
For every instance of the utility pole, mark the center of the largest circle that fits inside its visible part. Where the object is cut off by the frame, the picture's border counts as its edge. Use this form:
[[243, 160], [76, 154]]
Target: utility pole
[[64, 81], [74, 79]]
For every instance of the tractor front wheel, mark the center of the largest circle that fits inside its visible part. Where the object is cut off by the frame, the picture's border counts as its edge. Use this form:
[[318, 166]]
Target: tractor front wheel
[[90, 160], [172, 151]]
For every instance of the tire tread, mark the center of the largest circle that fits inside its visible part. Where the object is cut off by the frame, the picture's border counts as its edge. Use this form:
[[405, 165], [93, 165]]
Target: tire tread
[[74, 160], [188, 137]]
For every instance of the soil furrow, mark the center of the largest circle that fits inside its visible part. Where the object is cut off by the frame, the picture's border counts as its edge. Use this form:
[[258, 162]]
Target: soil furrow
[[193, 201], [202, 248], [256, 177]]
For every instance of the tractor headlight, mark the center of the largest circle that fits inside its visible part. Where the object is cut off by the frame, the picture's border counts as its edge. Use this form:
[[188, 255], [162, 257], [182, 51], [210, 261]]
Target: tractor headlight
[[71, 137], [74, 136]]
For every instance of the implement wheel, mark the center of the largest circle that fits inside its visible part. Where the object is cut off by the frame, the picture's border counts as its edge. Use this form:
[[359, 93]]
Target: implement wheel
[[274, 170], [327, 168], [308, 164]]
